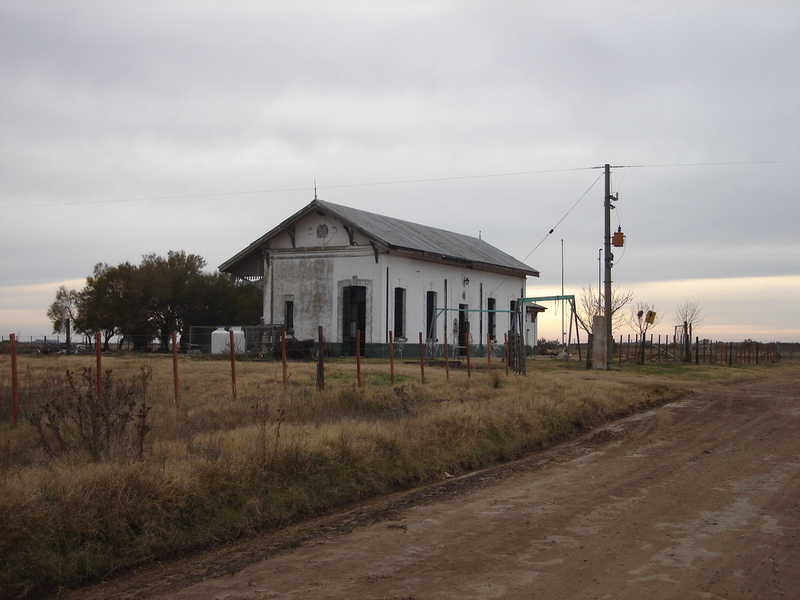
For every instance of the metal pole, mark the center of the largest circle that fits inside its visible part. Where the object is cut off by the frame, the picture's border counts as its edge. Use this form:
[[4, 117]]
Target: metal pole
[[608, 259]]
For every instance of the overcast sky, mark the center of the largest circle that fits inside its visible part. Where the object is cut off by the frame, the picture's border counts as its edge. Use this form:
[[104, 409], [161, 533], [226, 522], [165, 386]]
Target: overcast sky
[[135, 127]]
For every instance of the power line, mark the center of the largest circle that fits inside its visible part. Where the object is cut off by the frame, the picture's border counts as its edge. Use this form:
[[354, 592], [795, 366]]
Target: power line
[[552, 229], [298, 189], [382, 183], [566, 214]]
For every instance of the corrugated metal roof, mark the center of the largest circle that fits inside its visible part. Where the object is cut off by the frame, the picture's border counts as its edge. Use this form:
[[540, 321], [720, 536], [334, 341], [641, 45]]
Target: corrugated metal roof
[[405, 236], [401, 234]]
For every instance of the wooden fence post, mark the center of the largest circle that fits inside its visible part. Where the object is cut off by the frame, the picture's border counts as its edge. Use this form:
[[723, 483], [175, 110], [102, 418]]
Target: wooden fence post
[[175, 379], [284, 364], [469, 363], [421, 357], [321, 362], [99, 361], [391, 357], [358, 356], [14, 379], [233, 364], [489, 352], [446, 359], [505, 344]]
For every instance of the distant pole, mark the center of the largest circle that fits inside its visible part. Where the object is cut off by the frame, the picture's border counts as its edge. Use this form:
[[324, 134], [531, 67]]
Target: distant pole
[[14, 379], [562, 291], [608, 262]]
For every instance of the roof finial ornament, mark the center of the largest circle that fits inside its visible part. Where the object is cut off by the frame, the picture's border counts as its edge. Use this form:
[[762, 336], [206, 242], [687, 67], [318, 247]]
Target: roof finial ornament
[[315, 189]]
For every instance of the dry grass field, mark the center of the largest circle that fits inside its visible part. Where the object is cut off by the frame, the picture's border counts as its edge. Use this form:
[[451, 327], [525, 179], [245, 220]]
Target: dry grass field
[[90, 488]]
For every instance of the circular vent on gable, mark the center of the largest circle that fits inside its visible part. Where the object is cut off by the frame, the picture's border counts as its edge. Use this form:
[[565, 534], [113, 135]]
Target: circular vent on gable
[[324, 232]]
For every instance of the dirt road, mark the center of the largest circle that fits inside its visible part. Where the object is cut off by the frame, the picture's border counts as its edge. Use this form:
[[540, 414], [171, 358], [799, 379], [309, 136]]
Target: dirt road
[[696, 499]]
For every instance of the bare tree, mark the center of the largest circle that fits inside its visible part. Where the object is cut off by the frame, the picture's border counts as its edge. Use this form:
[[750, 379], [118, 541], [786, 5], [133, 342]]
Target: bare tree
[[689, 312], [643, 315], [688, 315], [590, 303]]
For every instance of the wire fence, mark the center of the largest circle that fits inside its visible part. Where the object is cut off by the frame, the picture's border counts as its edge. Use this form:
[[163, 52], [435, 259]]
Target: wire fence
[[668, 349], [233, 344]]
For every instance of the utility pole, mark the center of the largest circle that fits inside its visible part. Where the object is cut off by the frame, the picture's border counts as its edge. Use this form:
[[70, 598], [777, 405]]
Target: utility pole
[[562, 292], [608, 263]]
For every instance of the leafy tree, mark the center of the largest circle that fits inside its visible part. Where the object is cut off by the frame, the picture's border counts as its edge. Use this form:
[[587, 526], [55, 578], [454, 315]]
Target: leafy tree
[[115, 302], [155, 298], [176, 281], [63, 309]]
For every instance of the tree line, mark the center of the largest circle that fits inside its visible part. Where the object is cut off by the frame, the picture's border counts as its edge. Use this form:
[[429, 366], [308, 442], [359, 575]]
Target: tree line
[[152, 299]]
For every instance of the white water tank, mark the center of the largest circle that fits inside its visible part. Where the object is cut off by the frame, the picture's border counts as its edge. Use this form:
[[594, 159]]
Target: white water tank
[[221, 340]]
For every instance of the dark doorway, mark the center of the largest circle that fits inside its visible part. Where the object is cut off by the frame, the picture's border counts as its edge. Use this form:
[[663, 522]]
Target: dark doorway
[[354, 317], [491, 306], [463, 329]]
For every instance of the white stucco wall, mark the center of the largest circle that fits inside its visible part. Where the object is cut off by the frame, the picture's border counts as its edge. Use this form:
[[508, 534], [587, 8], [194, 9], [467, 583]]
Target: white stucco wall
[[313, 271]]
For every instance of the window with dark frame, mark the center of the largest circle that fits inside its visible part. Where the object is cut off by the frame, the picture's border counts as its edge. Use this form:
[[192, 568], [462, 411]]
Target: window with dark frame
[[399, 313], [491, 306], [289, 316]]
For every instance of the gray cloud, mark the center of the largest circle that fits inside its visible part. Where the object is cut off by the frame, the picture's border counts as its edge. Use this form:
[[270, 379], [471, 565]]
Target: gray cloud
[[108, 102]]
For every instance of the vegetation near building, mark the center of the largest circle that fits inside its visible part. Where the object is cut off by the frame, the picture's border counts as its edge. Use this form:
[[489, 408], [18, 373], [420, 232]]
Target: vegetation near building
[[153, 299]]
